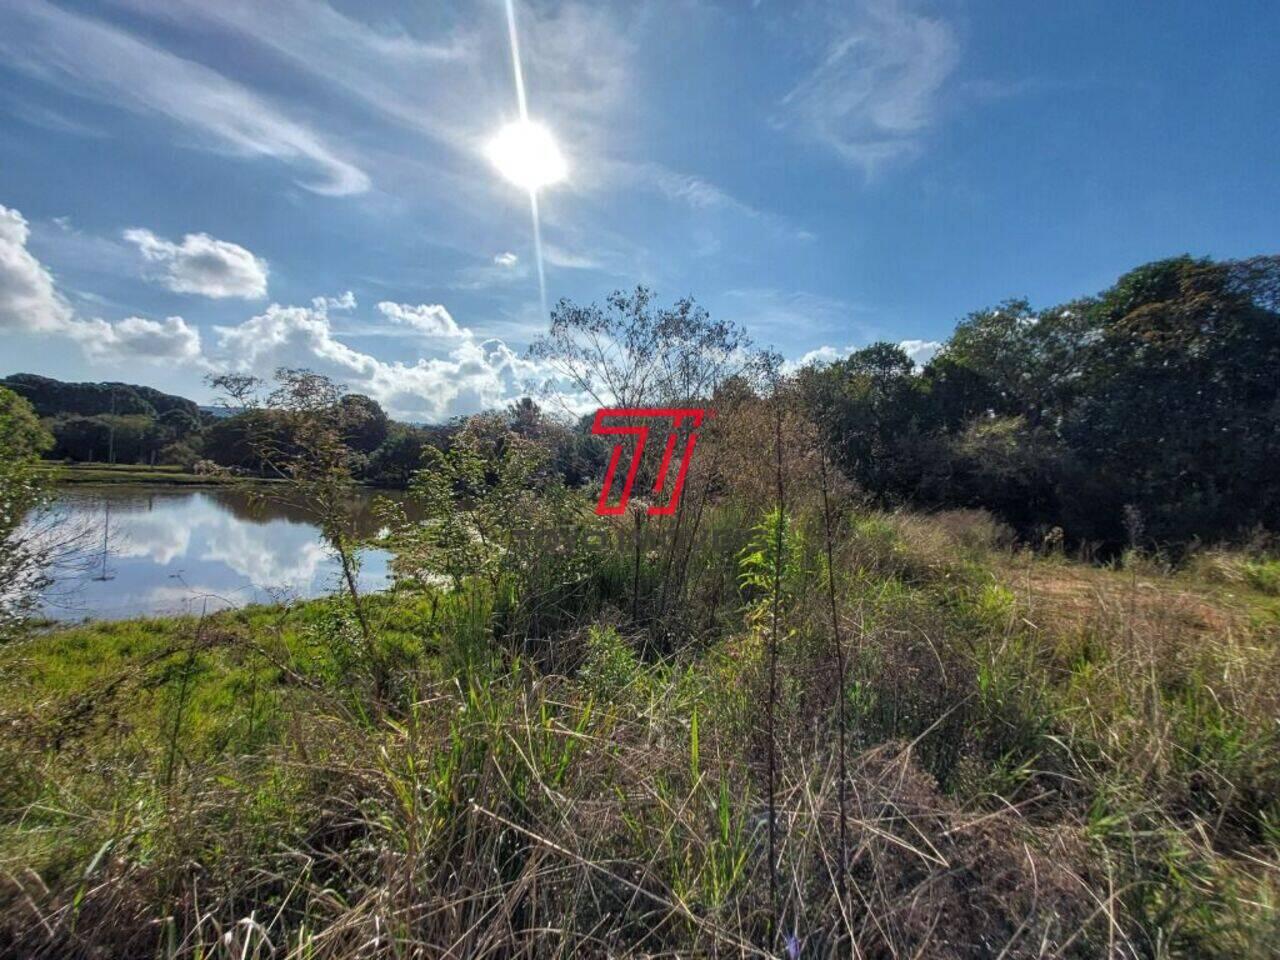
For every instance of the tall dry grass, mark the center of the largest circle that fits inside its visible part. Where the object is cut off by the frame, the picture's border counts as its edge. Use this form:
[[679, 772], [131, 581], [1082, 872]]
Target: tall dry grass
[[974, 751]]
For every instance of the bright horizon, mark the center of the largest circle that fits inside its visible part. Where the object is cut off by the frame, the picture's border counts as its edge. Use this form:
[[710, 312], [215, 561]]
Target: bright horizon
[[190, 188]]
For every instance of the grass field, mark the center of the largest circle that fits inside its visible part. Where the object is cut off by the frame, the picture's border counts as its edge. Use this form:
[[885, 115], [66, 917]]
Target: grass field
[[136, 473], [1044, 758]]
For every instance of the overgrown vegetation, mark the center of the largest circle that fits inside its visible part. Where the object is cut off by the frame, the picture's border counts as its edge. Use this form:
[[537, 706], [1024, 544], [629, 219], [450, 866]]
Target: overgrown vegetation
[[1155, 400], [23, 557], [1044, 758], [790, 720]]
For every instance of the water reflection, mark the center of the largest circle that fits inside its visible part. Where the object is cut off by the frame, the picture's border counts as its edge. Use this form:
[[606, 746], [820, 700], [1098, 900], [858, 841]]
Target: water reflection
[[165, 550]]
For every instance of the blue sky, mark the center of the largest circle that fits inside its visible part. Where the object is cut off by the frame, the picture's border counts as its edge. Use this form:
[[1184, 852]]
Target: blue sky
[[190, 186]]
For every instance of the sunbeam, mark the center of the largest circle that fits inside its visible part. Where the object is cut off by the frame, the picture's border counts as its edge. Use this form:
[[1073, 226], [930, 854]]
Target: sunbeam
[[526, 153]]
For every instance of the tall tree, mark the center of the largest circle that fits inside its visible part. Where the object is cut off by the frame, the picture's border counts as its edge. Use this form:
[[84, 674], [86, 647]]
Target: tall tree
[[632, 353], [872, 408], [364, 422], [1178, 411], [22, 552]]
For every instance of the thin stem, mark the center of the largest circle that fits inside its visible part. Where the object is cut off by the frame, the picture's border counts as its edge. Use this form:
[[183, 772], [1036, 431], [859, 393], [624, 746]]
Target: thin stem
[[171, 760], [771, 705], [669, 567], [348, 574], [842, 865], [635, 573]]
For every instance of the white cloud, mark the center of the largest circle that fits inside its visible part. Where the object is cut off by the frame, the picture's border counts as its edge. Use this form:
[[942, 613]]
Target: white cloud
[[30, 303], [283, 336], [821, 356], [171, 339], [920, 351], [507, 259], [876, 88], [203, 265], [345, 302], [567, 259], [28, 297], [91, 59], [474, 375], [429, 318]]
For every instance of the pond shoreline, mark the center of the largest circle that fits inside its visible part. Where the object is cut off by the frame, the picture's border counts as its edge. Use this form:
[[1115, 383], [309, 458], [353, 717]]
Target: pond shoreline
[[146, 549], [70, 474], [96, 473]]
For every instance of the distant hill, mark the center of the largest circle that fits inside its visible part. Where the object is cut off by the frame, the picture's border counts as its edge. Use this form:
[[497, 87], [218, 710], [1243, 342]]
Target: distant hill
[[52, 398], [127, 423]]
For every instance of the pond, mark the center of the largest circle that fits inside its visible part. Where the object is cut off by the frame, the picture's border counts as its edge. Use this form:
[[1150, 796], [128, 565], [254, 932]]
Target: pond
[[147, 551]]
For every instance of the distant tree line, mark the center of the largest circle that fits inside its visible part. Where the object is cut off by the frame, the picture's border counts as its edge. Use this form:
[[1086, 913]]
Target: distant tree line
[[127, 423], [110, 422], [1146, 415]]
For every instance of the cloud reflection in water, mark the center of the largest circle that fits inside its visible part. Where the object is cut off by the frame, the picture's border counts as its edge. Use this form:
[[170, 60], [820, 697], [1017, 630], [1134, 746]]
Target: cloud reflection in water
[[172, 551]]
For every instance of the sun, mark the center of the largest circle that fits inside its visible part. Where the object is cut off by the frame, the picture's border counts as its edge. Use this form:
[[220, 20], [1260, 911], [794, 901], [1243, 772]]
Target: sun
[[526, 154]]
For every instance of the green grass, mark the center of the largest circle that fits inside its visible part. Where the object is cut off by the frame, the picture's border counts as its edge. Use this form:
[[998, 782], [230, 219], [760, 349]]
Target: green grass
[[130, 473], [1264, 576], [1042, 753]]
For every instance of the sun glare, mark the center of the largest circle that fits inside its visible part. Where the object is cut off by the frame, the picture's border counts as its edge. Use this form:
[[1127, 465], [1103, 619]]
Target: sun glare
[[526, 154]]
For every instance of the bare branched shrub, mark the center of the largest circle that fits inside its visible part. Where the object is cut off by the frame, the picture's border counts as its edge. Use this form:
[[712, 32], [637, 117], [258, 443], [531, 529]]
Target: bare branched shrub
[[632, 353], [300, 434]]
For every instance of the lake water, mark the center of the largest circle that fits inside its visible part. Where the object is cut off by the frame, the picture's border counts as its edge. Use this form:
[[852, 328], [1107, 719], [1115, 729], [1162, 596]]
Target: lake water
[[164, 550]]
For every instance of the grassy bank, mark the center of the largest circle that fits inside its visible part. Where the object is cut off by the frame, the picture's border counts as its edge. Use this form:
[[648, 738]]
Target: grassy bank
[[1043, 758], [60, 473]]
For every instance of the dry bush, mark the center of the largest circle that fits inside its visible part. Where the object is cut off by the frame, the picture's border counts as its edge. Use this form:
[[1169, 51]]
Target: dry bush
[[523, 820], [736, 452], [929, 878], [1047, 760], [974, 530]]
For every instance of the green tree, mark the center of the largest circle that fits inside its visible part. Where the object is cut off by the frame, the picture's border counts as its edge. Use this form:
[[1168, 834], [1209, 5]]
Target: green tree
[[22, 553], [398, 457], [1177, 413], [1032, 362], [1006, 466], [873, 409], [364, 423]]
